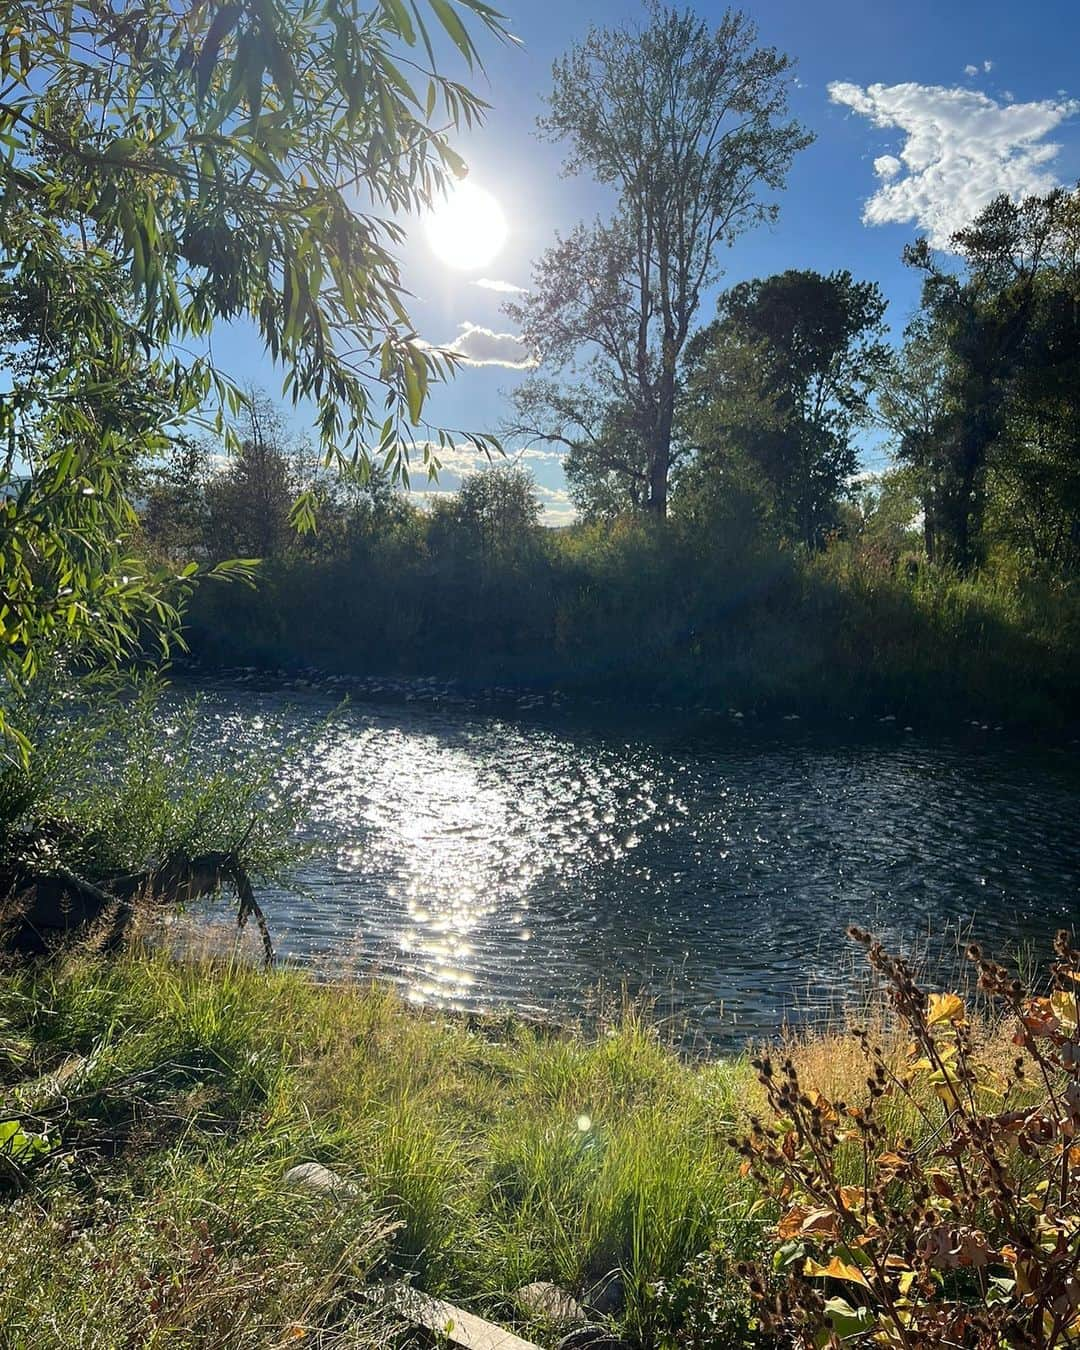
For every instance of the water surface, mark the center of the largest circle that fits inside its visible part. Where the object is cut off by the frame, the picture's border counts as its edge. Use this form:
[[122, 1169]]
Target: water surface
[[482, 861]]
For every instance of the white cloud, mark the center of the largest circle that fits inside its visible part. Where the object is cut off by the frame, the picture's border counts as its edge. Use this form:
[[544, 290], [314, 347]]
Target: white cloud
[[503, 287], [477, 346], [962, 150], [557, 506], [461, 460], [988, 66], [971, 70]]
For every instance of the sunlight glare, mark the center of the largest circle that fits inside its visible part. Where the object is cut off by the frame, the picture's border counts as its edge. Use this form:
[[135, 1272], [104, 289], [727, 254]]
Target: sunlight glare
[[467, 229]]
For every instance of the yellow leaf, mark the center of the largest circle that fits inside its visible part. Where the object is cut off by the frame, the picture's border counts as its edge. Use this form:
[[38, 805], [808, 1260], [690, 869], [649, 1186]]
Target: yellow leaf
[[1064, 1006], [803, 1222], [944, 1008], [837, 1270]]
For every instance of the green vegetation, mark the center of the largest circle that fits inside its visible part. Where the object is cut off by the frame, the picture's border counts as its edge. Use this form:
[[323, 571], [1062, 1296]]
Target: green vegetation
[[844, 1180], [485, 1155], [179, 163], [165, 168], [678, 614], [123, 807]]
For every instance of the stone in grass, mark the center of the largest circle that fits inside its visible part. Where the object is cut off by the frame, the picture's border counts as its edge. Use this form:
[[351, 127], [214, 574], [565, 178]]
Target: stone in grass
[[313, 1176], [548, 1303]]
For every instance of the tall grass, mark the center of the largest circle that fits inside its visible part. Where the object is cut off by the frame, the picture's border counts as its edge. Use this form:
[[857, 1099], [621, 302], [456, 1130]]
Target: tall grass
[[637, 612], [481, 1159], [169, 1098]]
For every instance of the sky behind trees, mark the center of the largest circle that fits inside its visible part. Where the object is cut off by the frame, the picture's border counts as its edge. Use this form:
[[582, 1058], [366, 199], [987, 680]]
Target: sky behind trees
[[921, 110]]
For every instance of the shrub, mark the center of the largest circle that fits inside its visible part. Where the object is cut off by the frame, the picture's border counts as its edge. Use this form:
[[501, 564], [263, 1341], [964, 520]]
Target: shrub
[[942, 1207]]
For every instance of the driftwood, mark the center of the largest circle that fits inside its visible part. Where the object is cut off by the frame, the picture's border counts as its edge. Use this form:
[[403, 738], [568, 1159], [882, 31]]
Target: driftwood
[[42, 910], [443, 1320]]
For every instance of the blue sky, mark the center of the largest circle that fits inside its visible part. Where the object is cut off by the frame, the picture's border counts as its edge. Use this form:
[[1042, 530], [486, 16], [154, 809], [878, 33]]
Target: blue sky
[[921, 110]]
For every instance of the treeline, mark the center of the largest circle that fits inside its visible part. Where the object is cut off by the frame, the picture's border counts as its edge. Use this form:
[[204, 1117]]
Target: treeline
[[476, 588], [779, 577]]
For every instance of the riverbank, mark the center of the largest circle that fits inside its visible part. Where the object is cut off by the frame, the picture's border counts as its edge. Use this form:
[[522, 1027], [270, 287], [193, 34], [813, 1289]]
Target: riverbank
[[481, 1156], [653, 622], [157, 1112]]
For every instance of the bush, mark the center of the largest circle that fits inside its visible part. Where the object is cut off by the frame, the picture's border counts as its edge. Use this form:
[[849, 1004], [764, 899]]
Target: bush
[[940, 1205]]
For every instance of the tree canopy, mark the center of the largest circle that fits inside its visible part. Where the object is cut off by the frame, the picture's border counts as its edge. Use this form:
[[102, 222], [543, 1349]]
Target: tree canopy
[[983, 399], [783, 380], [170, 166], [688, 125]]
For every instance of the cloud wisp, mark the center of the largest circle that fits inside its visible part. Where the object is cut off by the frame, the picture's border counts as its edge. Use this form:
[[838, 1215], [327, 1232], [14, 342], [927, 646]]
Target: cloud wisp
[[478, 346], [962, 149], [503, 287]]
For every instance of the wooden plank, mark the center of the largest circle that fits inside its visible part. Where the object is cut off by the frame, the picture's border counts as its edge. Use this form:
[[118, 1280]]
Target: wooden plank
[[459, 1327]]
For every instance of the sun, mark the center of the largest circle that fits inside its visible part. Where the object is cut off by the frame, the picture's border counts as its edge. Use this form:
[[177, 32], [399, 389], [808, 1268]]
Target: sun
[[467, 229]]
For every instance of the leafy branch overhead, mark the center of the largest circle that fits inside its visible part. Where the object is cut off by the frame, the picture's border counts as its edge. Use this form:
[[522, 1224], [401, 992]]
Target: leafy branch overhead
[[246, 159], [168, 166]]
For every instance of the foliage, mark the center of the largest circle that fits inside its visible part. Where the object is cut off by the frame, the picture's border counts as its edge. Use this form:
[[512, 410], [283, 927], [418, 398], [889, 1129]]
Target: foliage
[[495, 514], [962, 1232], [161, 1215], [135, 787], [84, 404], [165, 168], [248, 504], [1001, 339], [782, 381], [709, 611], [216, 152], [687, 126]]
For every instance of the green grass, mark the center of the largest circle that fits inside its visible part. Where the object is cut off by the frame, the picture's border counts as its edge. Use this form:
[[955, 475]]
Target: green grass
[[630, 613], [485, 1155]]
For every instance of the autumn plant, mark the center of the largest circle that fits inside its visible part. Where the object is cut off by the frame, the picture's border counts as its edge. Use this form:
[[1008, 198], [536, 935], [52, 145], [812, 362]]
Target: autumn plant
[[940, 1205]]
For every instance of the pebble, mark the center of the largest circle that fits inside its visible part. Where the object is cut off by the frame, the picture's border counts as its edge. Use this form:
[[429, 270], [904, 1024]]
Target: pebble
[[545, 1300], [313, 1176]]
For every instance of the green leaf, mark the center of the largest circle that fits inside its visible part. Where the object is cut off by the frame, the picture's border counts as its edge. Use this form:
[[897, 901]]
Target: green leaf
[[848, 1321], [451, 21]]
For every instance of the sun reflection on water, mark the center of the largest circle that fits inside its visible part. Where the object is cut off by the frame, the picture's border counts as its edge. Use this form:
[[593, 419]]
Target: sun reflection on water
[[480, 862], [464, 842]]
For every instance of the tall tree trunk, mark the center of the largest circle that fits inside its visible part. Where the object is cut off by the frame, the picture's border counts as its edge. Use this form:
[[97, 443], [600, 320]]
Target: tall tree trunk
[[660, 458]]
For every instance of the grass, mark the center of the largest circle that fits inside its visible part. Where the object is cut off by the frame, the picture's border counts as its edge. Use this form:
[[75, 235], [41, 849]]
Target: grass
[[484, 1156], [631, 614]]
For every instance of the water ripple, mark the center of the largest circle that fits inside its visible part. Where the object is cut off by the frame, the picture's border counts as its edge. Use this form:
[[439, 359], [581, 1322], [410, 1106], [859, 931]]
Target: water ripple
[[479, 861]]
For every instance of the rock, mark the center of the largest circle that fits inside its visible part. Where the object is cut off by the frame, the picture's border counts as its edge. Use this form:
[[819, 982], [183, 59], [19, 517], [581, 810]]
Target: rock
[[592, 1338], [607, 1297], [549, 1303], [313, 1176]]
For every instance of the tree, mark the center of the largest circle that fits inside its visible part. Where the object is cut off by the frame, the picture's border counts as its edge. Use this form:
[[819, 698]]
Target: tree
[[166, 166], [688, 127], [910, 404], [1007, 328], [496, 513], [173, 513], [782, 381], [248, 503]]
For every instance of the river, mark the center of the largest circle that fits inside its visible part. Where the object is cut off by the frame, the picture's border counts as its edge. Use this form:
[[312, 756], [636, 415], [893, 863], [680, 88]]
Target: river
[[527, 861]]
